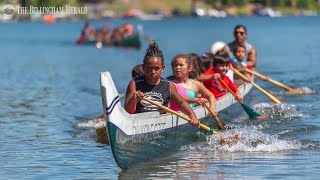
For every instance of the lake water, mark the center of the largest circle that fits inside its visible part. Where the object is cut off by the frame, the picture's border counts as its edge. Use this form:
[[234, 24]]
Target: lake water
[[50, 95]]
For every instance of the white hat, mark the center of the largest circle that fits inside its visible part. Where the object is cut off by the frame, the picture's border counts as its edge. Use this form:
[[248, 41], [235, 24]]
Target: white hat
[[217, 46]]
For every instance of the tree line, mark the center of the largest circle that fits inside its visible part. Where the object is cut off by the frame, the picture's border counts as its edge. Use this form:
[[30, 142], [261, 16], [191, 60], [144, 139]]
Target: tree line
[[299, 4]]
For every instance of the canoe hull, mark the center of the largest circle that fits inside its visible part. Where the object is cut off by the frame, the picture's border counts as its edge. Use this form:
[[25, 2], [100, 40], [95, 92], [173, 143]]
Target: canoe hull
[[129, 150], [136, 138], [133, 41]]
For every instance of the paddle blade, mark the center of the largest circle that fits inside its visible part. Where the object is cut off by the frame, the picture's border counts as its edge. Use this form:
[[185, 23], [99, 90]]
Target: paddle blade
[[251, 113]]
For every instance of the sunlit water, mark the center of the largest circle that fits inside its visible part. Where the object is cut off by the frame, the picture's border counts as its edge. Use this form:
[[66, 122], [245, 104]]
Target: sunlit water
[[50, 98]]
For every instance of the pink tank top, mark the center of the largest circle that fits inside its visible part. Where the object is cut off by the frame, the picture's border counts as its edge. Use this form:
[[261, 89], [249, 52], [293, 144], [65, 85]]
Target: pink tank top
[[184, 93]]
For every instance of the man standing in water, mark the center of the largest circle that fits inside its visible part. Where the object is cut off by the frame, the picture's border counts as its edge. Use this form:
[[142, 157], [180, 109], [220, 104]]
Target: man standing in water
[[240, 35]]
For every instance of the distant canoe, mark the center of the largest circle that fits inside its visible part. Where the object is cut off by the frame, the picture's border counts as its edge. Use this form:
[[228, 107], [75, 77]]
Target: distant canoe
[[132, 41], [138, 138]]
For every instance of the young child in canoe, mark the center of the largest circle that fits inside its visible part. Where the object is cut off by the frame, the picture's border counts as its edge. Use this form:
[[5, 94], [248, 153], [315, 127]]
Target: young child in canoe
[[220, 67], [198, 68], [152, 86], [189, 88], [239, 62]]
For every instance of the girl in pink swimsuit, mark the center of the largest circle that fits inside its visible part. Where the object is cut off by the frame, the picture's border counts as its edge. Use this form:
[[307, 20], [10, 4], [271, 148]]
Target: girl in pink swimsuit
[[189, 88]]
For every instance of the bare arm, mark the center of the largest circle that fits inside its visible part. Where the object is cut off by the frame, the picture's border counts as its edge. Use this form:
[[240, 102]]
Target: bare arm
[[132, 97], [239, 96], [244, 72], [206, 93], [190, 100], [183, 105], [249, 76], [203, 78], [252, 57]]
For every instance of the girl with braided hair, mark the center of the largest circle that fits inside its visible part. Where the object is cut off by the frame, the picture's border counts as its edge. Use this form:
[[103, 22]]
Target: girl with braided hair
[[152, 86]]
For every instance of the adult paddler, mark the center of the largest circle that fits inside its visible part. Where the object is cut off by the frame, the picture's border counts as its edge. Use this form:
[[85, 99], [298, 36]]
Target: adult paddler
[[240, 34]]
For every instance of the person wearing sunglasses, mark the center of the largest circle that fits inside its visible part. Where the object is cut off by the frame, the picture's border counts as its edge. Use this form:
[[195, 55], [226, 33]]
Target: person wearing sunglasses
[[240, 35]]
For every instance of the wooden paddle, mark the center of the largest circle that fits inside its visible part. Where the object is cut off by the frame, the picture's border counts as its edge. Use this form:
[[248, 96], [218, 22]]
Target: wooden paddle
[[100, 116], [219, 123], [270, 80], [251, 113], [274, 99], [202, 126]]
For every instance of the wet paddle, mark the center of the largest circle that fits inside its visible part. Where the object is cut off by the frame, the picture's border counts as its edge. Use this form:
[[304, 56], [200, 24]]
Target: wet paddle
[[219, 123], [251, 113], [270, 80], [100, 116], [101, 131], [202, 126], [274, 99]]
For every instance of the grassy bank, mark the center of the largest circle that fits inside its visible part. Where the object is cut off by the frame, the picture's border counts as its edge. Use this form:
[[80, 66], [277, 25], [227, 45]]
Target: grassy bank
[[185, 6]]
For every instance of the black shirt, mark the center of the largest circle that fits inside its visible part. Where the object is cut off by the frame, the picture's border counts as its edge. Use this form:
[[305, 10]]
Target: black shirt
[[159, 93]]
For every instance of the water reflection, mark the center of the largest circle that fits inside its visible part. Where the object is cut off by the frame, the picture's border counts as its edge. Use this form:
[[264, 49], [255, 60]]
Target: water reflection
[[181, 165], [201, 162]]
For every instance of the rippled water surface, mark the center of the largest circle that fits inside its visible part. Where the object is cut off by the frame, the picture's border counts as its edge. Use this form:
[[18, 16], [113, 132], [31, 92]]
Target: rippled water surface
[[50, 95]]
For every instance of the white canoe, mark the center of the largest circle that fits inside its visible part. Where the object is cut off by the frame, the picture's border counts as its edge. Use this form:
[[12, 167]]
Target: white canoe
[[138, 138]]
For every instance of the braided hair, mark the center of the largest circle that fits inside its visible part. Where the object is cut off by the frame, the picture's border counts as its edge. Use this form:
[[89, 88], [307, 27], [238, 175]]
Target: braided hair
[[137, 71], [153, 51]]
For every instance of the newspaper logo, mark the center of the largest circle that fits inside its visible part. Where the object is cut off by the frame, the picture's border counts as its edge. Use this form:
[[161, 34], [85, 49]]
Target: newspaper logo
[[8, 9]]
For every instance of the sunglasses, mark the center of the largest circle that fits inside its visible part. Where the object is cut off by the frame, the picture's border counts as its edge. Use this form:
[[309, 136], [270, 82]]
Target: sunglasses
[[239, 32]]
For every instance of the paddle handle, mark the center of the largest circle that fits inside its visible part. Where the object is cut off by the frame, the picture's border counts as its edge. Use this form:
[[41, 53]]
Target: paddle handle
[[281, 85], [251, 113], [270, 80], [274, 99], [202, 126], [219, 123], [239, 73], [255, 73], [230, 90]]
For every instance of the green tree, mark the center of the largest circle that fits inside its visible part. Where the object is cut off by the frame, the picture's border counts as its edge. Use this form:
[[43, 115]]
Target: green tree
[[49, 3], [288, 3], [302, 4], [226, 2], [307, 4], [240, 2]]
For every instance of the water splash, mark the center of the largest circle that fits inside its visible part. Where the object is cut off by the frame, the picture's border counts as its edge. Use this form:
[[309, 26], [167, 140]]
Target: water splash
[[93, 123], [279, 111], [296, 92], [249, 140], [302, 91]]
